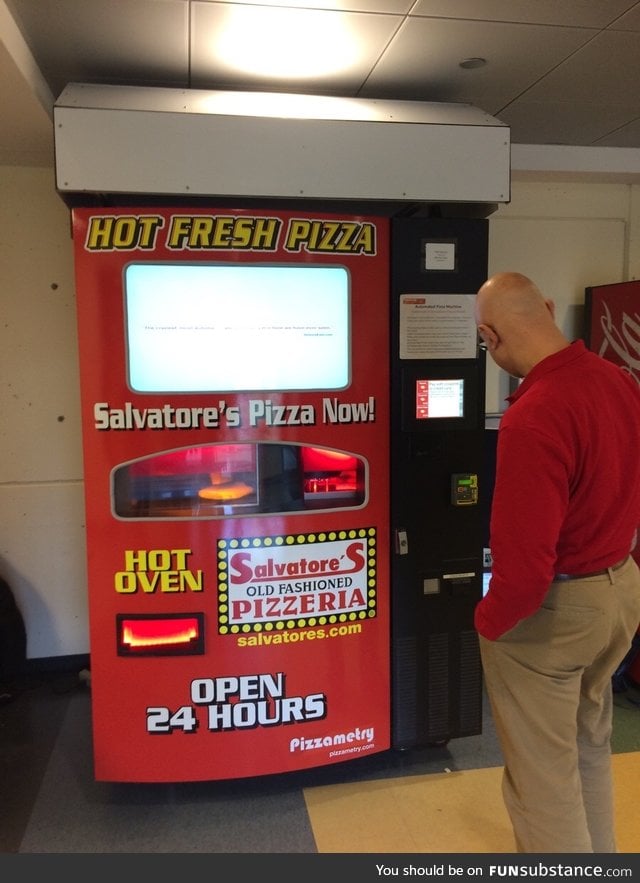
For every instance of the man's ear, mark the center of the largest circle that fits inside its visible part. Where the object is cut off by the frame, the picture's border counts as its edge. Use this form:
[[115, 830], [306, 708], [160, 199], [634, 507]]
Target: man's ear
[[489, 336]]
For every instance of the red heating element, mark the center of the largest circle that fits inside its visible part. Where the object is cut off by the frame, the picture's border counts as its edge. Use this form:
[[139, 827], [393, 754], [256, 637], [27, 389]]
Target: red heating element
[[160, 635]]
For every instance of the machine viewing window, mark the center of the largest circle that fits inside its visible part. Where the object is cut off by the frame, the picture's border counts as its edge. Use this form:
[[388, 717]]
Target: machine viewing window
[[437, 398], [237, 327], [232, 480]]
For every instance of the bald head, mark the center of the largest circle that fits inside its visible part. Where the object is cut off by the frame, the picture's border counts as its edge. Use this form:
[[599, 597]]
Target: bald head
[[517, 323]]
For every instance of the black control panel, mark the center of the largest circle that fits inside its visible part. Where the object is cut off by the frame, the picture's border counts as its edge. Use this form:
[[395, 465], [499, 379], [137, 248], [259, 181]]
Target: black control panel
[[437, 517]]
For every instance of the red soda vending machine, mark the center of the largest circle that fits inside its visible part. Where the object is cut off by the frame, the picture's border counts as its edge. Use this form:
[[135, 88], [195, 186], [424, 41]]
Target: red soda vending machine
[[612, 329], [235, 408]]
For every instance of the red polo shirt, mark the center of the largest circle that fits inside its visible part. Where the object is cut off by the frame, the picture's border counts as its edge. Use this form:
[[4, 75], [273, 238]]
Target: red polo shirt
[[567, 491]]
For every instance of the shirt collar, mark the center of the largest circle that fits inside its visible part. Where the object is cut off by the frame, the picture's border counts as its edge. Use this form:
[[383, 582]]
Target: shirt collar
[[557, 360]]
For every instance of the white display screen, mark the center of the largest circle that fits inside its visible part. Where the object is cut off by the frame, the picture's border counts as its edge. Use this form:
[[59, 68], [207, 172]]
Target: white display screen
[[234, 327], [439, 398]]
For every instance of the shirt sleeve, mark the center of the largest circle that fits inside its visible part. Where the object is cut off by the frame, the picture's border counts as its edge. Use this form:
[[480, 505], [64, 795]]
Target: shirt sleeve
[[529, 503]]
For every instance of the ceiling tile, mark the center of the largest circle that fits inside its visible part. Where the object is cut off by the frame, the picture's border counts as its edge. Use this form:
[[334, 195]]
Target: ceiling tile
[[423, 60], [606, 71], [145, 43], [627, 136], [395, 7], [561, 122], [630, 21], [587, 13]]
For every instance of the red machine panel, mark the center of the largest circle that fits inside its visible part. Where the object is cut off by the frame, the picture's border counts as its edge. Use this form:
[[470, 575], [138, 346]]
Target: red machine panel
[[235, 400]]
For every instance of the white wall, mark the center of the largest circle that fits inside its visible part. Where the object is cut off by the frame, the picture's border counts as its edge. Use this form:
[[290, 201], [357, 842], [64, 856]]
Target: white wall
[[566, 236], [42, 543]]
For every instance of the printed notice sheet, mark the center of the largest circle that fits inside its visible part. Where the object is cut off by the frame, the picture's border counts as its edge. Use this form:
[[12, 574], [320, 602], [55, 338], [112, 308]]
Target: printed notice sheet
[[437, 326]]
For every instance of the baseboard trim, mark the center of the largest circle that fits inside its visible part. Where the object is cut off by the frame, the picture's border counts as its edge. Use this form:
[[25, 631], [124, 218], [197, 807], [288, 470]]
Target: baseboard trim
[[57, 664]]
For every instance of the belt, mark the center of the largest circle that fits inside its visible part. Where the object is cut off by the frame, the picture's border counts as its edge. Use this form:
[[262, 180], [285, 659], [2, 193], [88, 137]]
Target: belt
[[560, 577]]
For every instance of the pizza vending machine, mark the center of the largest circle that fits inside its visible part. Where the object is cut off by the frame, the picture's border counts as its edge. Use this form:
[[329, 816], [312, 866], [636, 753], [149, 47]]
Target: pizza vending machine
[[235, 410]]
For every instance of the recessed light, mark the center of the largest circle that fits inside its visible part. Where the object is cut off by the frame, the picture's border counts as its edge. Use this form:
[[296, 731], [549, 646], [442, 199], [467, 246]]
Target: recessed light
[[471, 63], [285, 43]]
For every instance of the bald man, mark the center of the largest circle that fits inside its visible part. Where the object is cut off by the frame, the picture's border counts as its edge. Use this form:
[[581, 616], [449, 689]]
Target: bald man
[[564, 599]]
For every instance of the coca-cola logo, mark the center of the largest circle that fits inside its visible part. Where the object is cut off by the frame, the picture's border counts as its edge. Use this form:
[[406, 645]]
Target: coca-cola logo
[[621, 337]]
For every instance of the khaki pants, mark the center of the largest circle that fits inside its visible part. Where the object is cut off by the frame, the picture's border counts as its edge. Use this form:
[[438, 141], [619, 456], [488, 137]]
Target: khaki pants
[[548, 680]]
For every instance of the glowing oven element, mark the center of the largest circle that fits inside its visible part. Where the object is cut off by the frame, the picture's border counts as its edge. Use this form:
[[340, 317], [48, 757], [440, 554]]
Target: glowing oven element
[[160, 635], [329, 472]]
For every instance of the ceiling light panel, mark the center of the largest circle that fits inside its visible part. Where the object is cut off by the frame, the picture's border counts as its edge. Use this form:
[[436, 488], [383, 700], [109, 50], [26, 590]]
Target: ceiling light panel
[[304, 49]]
